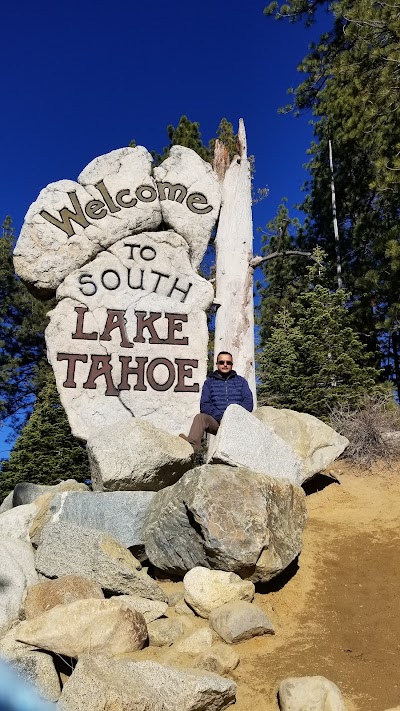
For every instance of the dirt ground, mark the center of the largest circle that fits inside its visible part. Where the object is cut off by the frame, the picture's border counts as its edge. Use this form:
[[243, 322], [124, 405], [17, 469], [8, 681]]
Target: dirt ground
[[337, 613]]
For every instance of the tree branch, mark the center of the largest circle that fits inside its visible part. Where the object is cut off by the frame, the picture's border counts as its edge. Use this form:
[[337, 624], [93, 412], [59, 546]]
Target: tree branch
[[256, 261]]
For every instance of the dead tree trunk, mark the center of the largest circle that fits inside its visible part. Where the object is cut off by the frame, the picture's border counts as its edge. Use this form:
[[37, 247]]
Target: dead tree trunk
[[234, 321]]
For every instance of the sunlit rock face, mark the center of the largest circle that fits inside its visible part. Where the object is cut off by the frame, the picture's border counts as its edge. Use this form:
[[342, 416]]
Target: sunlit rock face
[[120, 247]]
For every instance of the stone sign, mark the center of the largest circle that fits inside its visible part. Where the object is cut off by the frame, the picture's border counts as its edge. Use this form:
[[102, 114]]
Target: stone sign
[[129, 335]]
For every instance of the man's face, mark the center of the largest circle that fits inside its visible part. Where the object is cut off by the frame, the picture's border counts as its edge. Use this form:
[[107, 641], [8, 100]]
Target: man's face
[[224, 363]]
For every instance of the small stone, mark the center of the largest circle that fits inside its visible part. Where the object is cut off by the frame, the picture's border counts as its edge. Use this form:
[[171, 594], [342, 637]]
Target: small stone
[[195, 642], [206, 590], [220, 659], [181, 608], [163, 633], [69, 588], [150, 609], [175, 597], [239, 620], [310, 693]]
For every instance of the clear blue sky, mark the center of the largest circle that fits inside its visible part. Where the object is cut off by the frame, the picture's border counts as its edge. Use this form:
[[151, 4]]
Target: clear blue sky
[[80, 79]]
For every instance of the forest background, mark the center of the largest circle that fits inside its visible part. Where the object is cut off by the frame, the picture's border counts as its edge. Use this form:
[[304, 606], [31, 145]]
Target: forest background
[[328, 329]]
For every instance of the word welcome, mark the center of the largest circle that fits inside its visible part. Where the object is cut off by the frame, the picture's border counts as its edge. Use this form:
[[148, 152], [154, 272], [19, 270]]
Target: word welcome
[[98, 209]]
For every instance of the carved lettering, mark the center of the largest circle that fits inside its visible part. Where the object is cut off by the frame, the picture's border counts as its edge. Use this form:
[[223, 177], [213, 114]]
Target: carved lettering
[[116, 319], [96, 209], [87, 279], [79, 333], [112, 283], [198, 199], [185, 370], [174, 326], [142, 323], [172, 191], [67, 216], [126, 370], [175, 287], [150, 374], [72, 359], [101, 366], [125, 203]]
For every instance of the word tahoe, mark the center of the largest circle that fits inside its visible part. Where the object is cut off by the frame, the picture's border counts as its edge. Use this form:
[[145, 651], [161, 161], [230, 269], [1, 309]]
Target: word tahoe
[[98, 209]]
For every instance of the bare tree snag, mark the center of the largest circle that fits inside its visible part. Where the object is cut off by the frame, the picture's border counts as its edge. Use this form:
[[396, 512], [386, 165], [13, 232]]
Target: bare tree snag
[[234, 321]]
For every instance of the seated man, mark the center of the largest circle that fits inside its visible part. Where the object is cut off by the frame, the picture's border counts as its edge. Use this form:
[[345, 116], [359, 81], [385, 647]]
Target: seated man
[[222, 388]]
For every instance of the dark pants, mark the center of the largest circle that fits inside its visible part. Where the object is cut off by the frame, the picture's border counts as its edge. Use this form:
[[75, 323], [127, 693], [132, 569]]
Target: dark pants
[[201, 423]]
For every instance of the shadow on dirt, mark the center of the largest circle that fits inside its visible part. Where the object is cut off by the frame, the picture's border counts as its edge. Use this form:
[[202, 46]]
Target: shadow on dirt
[[318, 483]]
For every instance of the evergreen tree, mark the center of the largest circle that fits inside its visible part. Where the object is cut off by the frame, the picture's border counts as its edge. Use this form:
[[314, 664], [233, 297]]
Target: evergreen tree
[[314, 360], [46, 452], [284, 275], [352, 74], [22, 347]]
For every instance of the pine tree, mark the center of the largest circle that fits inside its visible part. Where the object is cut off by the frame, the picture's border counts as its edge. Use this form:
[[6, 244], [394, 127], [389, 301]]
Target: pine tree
[[22, 347], [352, 78], [283, 276], [314, 360], [46, 452]]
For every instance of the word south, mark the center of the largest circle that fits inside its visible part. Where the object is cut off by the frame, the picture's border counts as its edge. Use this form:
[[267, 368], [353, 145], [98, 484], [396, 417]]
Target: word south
[[98, 209]]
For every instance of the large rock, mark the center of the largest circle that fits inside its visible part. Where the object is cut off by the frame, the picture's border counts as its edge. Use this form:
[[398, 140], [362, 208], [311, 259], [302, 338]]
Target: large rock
[[26, 493], [310, 693], [140, 305], [206, 590], [227, 518], [38, 669], [86, 627], [65, 549], [146, 459], [238, 620], [48, 593], [317, 444], [120, 514], [243, 441], [17, 574], [184, 166], [15, 523], [99, 683], [51, 245]]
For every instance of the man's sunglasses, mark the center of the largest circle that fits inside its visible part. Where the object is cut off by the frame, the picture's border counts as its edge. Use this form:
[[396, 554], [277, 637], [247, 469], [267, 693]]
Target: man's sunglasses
[[225, 362]]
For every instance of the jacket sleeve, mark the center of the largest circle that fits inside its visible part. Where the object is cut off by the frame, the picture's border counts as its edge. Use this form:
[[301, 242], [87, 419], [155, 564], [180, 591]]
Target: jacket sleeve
[[247, 397], [206, 404]]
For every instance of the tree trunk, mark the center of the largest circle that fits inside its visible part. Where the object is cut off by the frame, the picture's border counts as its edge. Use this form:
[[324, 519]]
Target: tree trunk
[[234, 321]]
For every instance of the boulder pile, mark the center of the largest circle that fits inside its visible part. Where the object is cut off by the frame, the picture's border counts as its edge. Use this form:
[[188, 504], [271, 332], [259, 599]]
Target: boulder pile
[[82, 598]]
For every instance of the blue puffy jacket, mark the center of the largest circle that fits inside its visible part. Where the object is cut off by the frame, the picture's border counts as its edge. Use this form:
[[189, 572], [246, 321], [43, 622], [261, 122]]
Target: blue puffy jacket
[[219, 392]]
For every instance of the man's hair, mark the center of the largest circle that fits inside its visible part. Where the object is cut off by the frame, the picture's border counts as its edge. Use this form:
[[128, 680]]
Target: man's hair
[[224, 353]]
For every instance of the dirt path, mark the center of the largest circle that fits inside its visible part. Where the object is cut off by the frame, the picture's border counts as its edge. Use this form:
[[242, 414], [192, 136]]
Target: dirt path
[[337, 615]]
